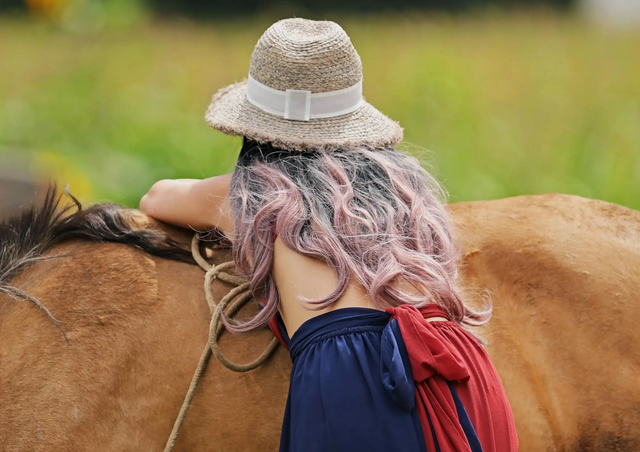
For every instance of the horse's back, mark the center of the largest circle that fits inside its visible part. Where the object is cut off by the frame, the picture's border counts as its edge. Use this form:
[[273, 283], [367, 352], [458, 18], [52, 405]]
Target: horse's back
[[564, 274]]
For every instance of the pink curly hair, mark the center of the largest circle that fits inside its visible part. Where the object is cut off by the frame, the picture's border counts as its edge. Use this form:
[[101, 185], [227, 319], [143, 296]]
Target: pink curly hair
[[374, 215]]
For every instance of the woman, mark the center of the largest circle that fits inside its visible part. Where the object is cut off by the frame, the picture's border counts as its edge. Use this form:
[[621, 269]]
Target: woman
[[346, 242]]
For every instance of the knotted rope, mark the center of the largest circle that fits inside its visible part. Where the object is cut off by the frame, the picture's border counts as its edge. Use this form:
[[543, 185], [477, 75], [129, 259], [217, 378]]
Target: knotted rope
[[243, 295]]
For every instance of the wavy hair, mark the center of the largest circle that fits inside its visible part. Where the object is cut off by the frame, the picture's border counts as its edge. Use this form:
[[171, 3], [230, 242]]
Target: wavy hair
[[374, 215]]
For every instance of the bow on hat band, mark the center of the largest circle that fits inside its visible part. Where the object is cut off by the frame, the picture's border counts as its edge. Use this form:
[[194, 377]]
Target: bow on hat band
[[301, 105]]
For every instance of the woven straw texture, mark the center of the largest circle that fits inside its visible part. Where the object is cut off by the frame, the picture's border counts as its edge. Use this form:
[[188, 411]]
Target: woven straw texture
[[308, 55]]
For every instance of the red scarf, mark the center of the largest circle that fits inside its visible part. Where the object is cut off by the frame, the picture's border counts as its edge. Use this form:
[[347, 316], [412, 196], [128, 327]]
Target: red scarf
[[433, 362]]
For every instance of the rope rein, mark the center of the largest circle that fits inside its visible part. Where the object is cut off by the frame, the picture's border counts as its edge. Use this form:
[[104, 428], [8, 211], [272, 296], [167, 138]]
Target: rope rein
[[241, 294]]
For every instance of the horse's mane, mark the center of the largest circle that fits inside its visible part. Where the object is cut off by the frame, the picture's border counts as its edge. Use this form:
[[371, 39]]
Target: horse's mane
[[27, 237]]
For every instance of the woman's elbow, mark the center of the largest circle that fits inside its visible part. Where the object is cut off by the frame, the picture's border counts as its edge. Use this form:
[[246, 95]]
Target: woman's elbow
[[149, 202], [145, 204]]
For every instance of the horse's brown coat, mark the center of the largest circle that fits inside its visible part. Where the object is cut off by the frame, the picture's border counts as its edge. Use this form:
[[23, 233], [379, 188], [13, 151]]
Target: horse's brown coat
[[563, 272]]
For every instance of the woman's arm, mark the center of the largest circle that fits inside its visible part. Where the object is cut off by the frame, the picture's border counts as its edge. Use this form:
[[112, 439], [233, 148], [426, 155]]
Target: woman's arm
[[191, 203]]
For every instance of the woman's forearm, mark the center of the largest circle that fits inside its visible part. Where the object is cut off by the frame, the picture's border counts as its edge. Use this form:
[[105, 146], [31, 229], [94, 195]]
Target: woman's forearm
[[191, 203]]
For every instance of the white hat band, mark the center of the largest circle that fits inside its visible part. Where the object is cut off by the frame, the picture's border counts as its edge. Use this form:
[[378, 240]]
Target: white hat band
[[300, 105]]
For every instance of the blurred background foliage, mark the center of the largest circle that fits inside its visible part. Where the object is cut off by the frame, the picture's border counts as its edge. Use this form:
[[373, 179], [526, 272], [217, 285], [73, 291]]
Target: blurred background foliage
[[509, 97]]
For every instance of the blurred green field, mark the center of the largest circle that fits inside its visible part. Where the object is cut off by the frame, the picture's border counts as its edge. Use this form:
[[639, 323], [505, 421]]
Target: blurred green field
[[507, 104]]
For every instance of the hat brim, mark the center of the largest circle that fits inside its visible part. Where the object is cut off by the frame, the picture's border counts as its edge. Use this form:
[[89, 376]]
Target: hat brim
[[231, 113]]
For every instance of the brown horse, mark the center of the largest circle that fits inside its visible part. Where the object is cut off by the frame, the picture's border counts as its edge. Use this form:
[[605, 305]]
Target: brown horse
[[104, 363]]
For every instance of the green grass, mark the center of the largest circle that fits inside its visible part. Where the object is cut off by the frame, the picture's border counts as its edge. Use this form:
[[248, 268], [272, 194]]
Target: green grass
[[507, 104]]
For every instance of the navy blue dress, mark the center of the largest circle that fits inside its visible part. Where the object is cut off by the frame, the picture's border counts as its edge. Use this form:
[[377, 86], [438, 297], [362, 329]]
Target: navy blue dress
[[351, 386], [358, 385]]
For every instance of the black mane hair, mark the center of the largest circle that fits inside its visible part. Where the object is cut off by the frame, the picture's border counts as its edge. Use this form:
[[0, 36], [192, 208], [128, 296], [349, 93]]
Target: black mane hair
[[27, 237]]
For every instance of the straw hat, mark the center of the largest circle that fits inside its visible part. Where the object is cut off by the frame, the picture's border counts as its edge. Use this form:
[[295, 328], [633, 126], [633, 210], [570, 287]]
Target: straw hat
[[304, 92]]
